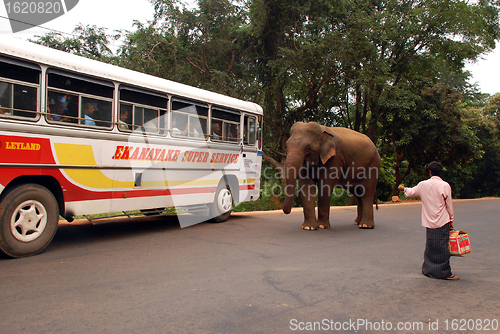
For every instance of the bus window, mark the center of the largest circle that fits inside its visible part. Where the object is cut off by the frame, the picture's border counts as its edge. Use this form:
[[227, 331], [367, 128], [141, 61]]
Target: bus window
[[225, 125], [189, 119], [79, 100], [19, 84], [249, 130], [95, 112], [142, 110]]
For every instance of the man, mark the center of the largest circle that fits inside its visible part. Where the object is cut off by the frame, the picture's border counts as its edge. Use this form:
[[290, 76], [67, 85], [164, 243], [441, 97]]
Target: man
[[89, 111], [437, 218], [176, 131], [122, 122], [57, 112], [216, 131]]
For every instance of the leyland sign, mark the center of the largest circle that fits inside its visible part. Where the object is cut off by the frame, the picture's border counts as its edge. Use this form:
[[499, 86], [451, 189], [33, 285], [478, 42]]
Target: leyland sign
[[28, 14]]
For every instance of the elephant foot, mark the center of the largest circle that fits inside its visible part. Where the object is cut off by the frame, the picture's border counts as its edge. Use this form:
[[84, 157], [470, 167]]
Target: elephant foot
[[324, 225], [367, 225], [310, 226]]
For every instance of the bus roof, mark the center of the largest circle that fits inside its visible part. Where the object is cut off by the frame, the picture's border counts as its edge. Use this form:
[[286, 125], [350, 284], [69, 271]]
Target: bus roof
[[51, 57]]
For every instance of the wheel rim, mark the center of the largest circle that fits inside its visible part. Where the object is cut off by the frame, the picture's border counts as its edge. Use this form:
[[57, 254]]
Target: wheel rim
[[28, 221], [225, 201]]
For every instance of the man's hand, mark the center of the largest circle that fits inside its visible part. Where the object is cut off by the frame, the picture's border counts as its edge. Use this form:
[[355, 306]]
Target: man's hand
[[401, 187], [451, 226]]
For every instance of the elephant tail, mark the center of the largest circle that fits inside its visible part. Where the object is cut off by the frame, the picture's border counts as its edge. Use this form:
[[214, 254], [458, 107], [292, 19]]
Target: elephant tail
[[376, 200]]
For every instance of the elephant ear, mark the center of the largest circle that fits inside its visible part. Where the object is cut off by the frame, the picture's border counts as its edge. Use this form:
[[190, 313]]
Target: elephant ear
[[328, 147]]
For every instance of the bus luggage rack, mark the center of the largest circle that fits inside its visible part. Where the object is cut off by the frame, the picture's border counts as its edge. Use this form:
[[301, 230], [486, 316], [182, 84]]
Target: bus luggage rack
[[201, 209]]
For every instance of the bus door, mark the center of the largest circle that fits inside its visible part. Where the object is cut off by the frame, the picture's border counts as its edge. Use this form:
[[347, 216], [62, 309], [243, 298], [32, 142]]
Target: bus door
[[250, 157]]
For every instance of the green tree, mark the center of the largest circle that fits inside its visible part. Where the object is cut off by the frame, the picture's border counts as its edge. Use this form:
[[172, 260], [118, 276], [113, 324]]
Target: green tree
[[199, 46], [482, 176], [429, 126], [87, 41]]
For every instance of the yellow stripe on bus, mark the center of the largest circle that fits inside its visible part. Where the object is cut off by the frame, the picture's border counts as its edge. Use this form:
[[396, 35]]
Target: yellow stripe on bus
[[83, 155]]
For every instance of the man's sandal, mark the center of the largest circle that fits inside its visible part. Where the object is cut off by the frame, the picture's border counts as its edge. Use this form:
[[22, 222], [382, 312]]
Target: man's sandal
[[453, 278]]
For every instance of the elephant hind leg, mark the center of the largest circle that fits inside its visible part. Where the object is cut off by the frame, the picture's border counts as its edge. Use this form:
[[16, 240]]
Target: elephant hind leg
[[359, 209], [365, 212]]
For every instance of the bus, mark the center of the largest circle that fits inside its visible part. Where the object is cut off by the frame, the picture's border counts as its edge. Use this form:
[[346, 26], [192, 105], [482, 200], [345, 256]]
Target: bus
[[81, 137]]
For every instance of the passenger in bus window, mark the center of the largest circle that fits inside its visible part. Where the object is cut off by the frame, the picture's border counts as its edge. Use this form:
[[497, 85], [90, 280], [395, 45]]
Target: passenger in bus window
[[216, 130], [124, 120], [56, 112], [70, 108], [48, 111], [177, 125], [88, 110], [232, 133]]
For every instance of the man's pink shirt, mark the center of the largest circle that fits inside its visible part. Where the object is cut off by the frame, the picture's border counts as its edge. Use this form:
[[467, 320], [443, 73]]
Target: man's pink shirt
[[437, 206]]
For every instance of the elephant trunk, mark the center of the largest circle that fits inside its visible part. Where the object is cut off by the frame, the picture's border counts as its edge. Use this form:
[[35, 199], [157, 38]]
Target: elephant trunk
[[293, 165]]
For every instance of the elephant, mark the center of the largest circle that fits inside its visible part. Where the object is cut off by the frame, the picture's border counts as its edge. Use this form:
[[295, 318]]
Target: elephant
[[324, 158]]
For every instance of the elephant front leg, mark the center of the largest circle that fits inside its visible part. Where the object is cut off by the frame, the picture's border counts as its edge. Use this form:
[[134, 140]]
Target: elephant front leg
[[308, 191], [324, 200]]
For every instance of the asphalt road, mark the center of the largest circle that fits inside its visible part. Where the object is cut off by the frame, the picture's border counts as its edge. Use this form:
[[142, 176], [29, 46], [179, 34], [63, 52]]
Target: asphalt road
[[256, 273]]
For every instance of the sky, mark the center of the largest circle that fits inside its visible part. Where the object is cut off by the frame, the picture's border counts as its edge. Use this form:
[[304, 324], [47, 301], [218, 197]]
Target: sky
[[120, 14]]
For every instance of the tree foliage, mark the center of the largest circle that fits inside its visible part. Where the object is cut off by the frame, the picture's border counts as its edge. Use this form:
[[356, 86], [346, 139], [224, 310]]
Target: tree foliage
[[87, 41]]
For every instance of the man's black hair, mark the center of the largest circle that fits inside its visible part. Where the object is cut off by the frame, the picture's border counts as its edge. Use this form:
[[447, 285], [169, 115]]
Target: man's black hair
[[436, 168]]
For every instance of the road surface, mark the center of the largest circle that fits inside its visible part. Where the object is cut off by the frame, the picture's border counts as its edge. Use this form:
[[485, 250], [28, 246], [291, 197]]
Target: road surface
[[256, 273]]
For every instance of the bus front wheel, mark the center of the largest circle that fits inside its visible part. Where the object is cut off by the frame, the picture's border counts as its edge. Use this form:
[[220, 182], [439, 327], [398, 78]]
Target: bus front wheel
[[29, 216], [223, 203]]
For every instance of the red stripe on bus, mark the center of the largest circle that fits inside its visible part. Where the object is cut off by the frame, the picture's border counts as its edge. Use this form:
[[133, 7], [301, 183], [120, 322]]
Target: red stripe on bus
[[247, 187]]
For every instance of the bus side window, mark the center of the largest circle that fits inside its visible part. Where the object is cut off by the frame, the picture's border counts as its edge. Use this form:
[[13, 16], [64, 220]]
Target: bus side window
[[225, 125], [142, 110], [249, 132], [19, 83], [189, 119], [96, 112], [77, 99]]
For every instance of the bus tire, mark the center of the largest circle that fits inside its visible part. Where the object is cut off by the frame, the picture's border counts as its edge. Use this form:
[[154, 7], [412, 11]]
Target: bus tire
[[223, 203], [29, 216]]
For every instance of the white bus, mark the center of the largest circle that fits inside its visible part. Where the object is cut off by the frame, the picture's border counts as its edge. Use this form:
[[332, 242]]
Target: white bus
[[80, 137]]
